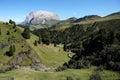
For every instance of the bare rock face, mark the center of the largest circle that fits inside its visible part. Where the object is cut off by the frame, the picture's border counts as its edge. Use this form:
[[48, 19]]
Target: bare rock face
[[40, 17]]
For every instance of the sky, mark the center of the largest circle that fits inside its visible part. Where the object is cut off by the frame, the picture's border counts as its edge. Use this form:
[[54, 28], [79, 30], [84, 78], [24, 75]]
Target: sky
[[18, 9]]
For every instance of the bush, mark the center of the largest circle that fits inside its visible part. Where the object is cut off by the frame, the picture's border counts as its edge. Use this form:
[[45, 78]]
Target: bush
[[26, 33], [11, 50], [35, 43], [8, 33]]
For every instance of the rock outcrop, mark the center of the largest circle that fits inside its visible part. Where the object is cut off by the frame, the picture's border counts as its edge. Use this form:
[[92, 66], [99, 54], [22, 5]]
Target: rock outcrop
[[40, 17]]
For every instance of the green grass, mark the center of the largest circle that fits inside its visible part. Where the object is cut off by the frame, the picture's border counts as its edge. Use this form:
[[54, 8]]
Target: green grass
[[82, 74], [49, 55], [18, 41]]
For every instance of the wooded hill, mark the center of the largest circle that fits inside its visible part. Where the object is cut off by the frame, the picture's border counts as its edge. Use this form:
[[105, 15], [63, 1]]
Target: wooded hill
[[94, 42]]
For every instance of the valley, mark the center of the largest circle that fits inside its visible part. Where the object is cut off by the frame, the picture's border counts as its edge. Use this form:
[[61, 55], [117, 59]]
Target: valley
[[72, 49]]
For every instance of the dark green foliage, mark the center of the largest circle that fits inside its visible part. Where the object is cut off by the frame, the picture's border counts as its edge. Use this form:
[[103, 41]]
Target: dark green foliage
[[11, 50], [14, 25], [26, 33], [15, 30], [93, 44], [39, 41], [6, 23], [95, 76], [8, 33], [65, 47], [61, 68], [118, 36], [78, 64], [46, 38], [12, 22], [110, 56], [55, 44], [35, 43]]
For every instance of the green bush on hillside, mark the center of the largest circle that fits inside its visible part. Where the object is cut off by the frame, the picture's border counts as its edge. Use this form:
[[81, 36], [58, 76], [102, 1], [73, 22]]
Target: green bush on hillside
[[26, 33], [11, 50]]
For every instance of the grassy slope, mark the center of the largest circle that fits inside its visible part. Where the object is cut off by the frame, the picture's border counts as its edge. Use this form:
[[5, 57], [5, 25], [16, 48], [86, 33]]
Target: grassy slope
[[49, 55], [19, 41], [82, 74]]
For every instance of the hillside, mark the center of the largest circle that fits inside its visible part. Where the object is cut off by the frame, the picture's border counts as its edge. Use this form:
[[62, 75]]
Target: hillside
[[81, 50], [26, 53], [89, 41], [61, 25], [84, 20]]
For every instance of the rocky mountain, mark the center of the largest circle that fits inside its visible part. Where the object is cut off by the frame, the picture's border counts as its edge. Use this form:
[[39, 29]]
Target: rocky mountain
[[40, 17]]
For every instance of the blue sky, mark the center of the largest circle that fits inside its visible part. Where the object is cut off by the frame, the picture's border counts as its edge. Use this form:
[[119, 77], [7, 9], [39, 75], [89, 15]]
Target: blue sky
[[18, 9]]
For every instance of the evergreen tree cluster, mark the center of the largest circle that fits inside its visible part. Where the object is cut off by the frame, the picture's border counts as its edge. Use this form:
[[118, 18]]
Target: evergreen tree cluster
[[92, 43]]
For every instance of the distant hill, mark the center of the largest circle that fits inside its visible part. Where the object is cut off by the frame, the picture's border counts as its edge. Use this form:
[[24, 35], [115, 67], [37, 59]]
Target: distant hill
[[114, 14], [63, 24], [84, 20], [56, 24], [87, 18]]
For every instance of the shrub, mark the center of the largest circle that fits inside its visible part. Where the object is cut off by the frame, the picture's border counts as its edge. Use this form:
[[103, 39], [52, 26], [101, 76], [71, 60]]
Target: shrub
[[8, 33], [35, 43], [26, 33], [11, 50]]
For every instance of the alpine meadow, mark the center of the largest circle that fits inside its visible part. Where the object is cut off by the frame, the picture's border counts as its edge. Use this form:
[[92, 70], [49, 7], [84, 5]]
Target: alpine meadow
[[60, 40]]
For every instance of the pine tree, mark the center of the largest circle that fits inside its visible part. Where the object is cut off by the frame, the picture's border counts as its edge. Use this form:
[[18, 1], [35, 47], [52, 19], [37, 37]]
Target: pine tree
[[35, 43], [26, 33], [65, 47]]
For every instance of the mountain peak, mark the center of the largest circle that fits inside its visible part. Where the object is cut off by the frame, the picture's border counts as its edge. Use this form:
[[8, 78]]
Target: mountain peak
[[40, 17]]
